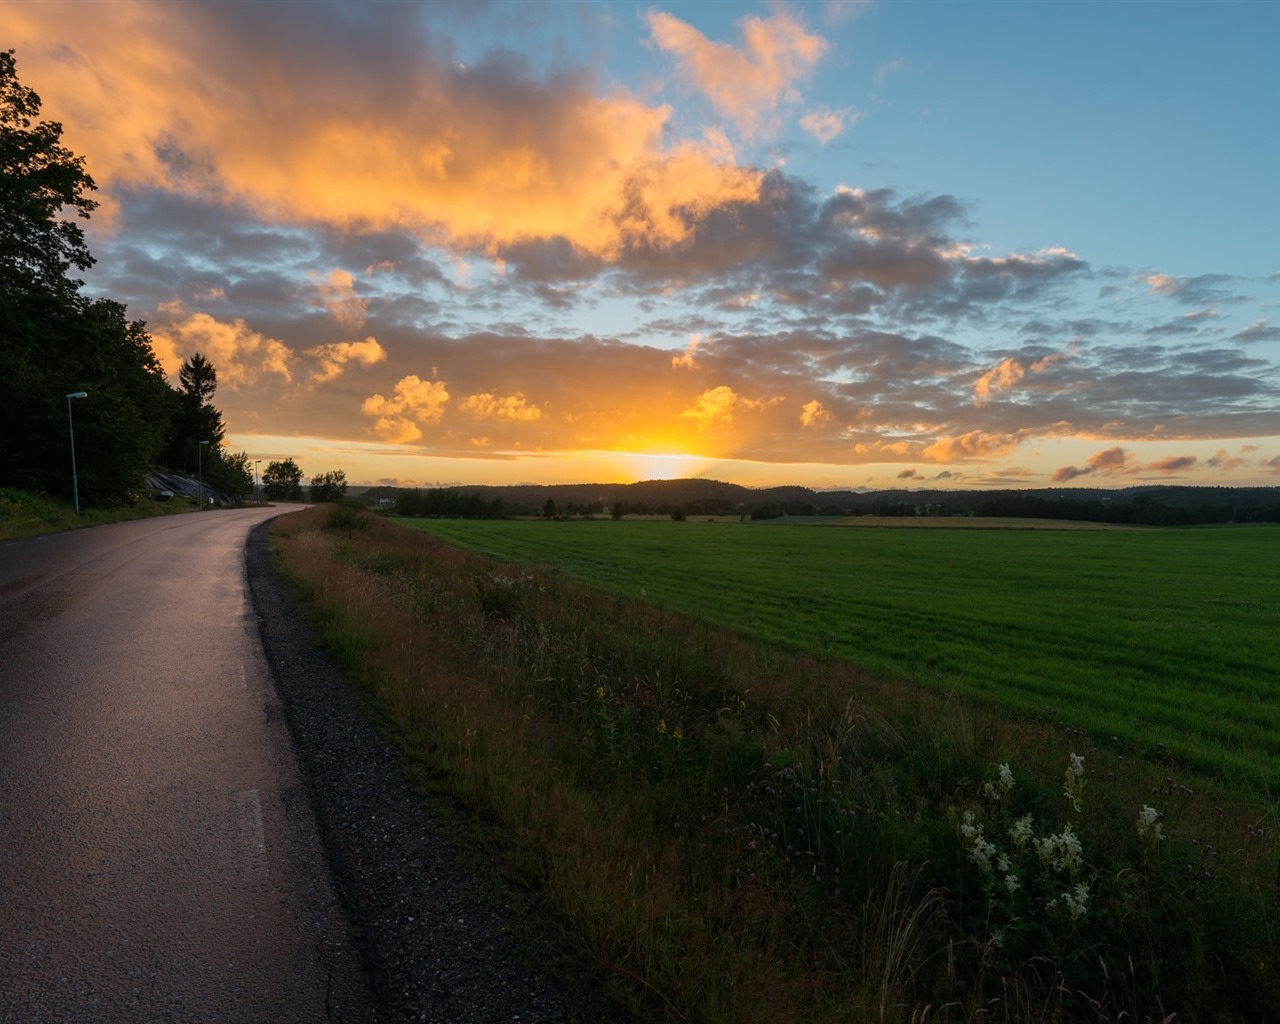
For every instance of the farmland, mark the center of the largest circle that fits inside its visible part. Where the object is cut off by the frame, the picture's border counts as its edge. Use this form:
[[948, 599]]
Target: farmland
[[1163, 639], [738, 822]]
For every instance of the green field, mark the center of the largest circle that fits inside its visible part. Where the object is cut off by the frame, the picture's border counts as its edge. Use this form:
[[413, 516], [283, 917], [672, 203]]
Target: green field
[[1164, 639]]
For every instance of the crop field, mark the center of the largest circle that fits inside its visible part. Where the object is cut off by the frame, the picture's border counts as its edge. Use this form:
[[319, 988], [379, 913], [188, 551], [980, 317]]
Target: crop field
[[1166, 640]]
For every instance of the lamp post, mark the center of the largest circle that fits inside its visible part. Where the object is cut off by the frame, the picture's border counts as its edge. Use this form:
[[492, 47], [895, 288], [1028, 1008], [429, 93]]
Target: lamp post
[[257, 494], [200, 470], [71, 430]]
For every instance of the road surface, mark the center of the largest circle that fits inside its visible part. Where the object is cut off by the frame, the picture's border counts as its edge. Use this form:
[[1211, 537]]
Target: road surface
[[158, 853]]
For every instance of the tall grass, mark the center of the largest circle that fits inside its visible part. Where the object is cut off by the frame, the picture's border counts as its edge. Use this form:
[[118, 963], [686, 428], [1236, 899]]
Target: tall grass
[[1164, 639], [28, 515], [738, 832]]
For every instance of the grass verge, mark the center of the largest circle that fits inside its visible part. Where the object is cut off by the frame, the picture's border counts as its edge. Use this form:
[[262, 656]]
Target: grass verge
[[741, 832], [28, 515]]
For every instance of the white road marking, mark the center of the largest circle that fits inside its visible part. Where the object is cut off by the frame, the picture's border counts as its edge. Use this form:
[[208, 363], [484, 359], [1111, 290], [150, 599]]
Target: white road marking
[[253, 843]]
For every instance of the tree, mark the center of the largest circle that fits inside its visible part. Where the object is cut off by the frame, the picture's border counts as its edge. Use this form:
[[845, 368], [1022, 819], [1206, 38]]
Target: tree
[[195, 419], [283, 481], [549, 509], [330, 486], [56, 342], [231, 473], [39, 179]]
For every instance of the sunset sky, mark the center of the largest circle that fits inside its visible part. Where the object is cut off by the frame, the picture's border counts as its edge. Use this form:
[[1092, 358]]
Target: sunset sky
[[834, 244]]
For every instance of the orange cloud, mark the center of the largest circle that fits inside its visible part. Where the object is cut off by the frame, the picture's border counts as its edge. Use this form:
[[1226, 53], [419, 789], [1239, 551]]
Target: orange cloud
[[338, 294], [974, 444], [1173, 464], [747, 85], [481, 157], [716, 406], [239, 354], [335, 358], [511, 407], [1001, 378], [1105, 463], [686, 358], [812, 414], [414, 402]]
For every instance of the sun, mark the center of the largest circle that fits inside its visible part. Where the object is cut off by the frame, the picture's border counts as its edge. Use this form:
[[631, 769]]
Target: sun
[[662, 465]]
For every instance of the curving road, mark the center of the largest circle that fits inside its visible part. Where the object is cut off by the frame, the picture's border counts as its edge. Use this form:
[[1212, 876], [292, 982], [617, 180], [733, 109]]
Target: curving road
[[158, 852]]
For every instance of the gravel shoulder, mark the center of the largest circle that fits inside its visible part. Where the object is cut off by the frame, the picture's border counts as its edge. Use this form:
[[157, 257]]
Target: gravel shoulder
[[443, 936]]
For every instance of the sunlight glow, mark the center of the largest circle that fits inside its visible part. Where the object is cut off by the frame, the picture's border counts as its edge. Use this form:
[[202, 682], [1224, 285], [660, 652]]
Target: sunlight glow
[[661, 466]]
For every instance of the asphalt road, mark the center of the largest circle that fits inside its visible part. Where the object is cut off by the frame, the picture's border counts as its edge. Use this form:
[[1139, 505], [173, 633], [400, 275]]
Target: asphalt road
[[158, 852]]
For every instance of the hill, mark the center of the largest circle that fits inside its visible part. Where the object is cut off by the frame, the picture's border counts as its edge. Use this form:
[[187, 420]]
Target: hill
[[1148, 504]]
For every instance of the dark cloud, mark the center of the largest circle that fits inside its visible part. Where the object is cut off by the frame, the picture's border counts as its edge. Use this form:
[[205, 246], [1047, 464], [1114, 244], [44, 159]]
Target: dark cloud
[[1259, 330]]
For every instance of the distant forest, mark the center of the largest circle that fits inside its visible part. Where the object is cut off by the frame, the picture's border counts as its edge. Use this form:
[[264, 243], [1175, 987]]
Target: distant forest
[[1154, 505]]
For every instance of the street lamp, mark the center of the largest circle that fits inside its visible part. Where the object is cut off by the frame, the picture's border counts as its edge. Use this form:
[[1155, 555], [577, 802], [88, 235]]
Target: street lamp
[[75, 483], [200, 470], [257, 494]]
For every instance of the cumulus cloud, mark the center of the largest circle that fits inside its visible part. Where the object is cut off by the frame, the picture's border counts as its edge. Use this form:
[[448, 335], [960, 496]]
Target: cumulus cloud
[[1104, 463], [414, 403], [746, 85], [336, 357], [1225, 461], [1002, 377], [686, 358], [240, 354], [1173, 464], [975, 444], [206, 103], [812, 414], [509, 407], [338, 295], [716, 406]]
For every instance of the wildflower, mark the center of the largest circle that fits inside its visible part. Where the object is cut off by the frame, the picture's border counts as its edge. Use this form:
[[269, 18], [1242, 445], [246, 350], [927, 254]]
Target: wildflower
[[1006, 778], [981, 853], [1002, 862], [1149, 823], [997, 938], [678, 735], [1061, 851], [662, 726], [1074, 788], [1076, 900], [1021, 831], [600, 692], [967, 828], [1012, 884]]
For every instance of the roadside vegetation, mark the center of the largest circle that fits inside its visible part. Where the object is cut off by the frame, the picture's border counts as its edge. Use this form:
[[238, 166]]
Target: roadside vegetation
[[29, 515], [740, 829], [1160, 642]]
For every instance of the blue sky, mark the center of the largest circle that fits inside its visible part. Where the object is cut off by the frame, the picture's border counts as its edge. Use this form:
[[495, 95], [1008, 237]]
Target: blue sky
[[842, 245]]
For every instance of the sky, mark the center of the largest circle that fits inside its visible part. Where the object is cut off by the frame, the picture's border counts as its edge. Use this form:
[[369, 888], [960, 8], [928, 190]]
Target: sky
[[840, 245]]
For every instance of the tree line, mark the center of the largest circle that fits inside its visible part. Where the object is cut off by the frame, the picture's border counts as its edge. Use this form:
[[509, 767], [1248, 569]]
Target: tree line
[[77, 367]]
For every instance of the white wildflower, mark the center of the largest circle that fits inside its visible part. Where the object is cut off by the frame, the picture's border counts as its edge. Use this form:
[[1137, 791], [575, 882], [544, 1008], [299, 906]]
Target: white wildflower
[[1061, 851], [1012, 884], [1076, 900], [1002, 862], [1149, 823], [1006, 778], [967, 828], [981, 853], [1074, 788], [1021, 831], [997, 938]]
